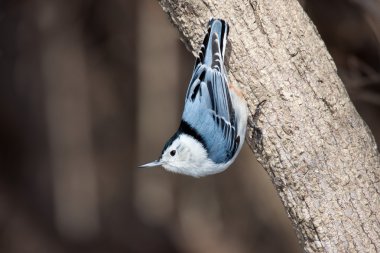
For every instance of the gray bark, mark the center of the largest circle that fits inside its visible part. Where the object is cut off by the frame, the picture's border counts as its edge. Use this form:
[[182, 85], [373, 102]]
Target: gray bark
[[320, 154]]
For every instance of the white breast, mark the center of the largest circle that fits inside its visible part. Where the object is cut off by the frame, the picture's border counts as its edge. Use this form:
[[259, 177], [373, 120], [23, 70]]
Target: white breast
[[191, 159]]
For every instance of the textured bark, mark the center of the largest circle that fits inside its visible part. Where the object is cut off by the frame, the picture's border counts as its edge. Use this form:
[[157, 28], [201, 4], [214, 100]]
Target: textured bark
[[321, 156]]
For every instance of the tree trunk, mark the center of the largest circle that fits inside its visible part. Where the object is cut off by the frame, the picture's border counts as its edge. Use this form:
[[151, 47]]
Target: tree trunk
[[320, 154]]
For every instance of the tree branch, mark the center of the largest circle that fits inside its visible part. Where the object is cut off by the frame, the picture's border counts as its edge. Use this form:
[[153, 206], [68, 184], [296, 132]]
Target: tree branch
[[320, 154]]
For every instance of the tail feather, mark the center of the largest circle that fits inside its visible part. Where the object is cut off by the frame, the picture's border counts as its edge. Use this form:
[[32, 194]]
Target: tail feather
[[214, 44]]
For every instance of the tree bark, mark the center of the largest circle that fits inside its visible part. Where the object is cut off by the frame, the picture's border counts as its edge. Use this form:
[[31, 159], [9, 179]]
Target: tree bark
[[320, 154]]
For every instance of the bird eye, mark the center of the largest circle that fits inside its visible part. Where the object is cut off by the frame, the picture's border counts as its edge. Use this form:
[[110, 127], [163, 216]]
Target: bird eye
[[172, 153]]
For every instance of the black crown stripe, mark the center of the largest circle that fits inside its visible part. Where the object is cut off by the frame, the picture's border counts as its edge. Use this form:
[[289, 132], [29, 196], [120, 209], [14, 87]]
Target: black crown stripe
[[186, 128]]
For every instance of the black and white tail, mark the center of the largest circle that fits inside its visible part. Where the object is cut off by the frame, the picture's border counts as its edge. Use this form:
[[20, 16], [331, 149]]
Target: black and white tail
[[214, 44]]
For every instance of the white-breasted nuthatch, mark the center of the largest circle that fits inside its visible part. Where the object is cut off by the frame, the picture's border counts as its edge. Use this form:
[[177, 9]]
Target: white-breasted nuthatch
[[214, 121]]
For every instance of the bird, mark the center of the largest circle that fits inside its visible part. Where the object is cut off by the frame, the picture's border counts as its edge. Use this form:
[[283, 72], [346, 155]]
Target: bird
[[214, 120]]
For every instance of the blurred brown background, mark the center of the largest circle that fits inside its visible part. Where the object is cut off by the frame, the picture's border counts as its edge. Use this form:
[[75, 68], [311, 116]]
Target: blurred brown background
[[90, 89]]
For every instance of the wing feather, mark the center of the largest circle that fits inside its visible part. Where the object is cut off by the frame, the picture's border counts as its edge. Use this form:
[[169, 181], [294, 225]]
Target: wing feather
[[208, 109]]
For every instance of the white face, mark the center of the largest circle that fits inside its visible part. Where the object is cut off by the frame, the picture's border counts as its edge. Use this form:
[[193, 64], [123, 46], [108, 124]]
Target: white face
[[187, 156]]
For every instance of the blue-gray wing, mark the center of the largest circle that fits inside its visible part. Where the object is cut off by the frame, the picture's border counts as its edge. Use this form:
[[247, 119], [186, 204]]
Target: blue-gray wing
[[209, 111]]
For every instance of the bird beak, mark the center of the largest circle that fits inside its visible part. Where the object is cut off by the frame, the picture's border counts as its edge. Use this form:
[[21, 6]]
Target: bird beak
[[152, 164]]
